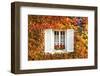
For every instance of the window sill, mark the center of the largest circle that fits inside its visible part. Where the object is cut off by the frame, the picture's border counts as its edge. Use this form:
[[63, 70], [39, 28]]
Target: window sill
[[58, 51]]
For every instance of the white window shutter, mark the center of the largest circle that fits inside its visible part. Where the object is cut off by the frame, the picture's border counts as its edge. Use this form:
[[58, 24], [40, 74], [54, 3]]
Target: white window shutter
[[49, 40], [66, 40], [70, 40]]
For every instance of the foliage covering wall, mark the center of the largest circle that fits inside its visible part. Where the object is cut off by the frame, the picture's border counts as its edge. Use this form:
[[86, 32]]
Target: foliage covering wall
[[38, 23]]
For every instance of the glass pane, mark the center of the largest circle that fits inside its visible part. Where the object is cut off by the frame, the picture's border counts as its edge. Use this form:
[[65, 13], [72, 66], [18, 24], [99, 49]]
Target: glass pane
[[56, 39], [59, 40], [62, 42]]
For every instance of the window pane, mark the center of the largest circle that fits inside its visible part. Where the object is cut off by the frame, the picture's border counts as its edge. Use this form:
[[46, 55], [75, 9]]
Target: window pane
[[59, 40], [62, 42], [56, 40]]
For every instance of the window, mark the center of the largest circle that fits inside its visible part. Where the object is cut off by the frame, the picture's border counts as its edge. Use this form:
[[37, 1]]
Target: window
[[59, 40]]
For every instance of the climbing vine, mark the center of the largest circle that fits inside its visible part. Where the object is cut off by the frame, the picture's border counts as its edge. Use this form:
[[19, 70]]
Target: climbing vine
[[38, 23]]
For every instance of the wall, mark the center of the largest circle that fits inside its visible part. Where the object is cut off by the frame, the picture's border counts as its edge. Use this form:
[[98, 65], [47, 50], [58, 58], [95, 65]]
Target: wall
[[5, 42]]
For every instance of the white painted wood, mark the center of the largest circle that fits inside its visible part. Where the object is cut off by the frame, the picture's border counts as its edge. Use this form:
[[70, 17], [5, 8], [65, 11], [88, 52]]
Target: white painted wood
[[52, 40], [66, 40], [49, 40], [70, 40]]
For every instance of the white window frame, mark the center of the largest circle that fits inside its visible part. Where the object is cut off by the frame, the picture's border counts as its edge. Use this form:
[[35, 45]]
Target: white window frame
[[49, 41]]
